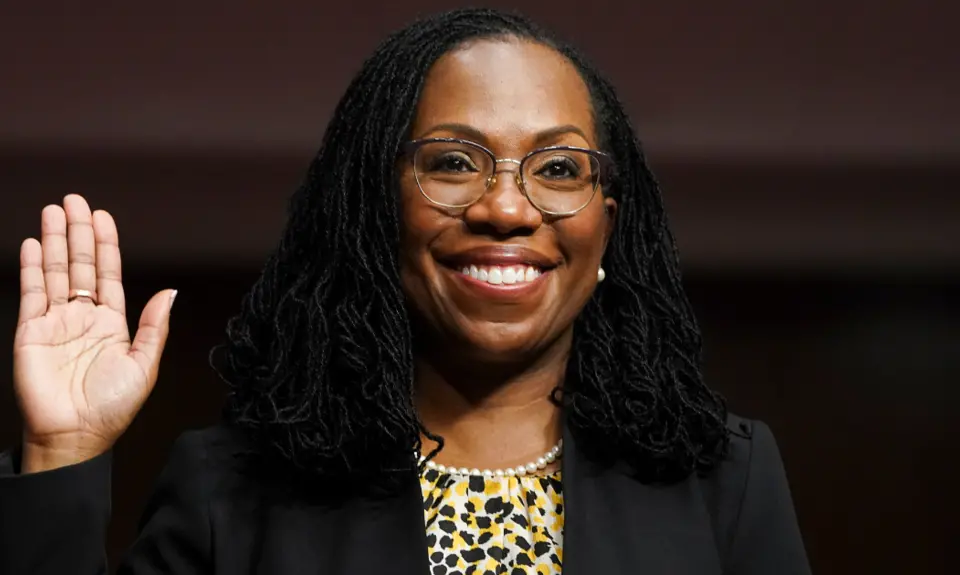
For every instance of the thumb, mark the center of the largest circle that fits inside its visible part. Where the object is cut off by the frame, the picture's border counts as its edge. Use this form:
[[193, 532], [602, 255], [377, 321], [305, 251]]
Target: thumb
[[152, 332]]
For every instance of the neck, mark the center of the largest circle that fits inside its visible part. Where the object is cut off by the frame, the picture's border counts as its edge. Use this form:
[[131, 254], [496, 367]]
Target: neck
[[490, 415]]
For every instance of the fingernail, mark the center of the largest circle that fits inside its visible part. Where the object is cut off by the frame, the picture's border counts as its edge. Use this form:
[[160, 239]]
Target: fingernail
[[173, 296]]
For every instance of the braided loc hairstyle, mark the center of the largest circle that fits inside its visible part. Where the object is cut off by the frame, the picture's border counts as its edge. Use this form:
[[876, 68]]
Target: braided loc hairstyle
[[319, 360]]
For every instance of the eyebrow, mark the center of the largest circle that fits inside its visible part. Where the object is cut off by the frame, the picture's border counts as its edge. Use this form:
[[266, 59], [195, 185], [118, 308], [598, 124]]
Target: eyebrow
[[469, 132], [554, 133]]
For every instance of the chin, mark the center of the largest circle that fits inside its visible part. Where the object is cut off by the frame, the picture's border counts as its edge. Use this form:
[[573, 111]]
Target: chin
[[503, 343]]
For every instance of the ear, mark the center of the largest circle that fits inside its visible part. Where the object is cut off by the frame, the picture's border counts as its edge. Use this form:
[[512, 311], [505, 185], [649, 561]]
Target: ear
[[610, 219]]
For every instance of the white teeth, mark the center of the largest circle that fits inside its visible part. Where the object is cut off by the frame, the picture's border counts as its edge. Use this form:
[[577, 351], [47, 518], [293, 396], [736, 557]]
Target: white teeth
[[497, 275]]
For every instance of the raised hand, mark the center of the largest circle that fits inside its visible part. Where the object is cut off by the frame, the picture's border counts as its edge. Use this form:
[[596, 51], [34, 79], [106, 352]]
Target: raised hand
[[78, 377]]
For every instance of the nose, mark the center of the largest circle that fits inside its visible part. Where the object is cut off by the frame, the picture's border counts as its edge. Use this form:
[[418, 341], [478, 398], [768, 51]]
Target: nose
[[504, 209]]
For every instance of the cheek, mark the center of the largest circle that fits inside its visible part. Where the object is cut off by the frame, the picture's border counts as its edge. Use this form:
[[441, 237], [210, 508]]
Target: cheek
[[581, 237]]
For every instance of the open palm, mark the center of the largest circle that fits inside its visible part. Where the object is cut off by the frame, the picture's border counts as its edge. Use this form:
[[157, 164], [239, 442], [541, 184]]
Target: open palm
[[78, 377]]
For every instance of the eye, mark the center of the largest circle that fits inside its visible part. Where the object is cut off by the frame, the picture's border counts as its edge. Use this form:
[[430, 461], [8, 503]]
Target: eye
[[453, 162], [559, 168]]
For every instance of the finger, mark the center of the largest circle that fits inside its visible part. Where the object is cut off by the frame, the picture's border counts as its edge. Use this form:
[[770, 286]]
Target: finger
[[53, 239], [81, 244], [151, 335], [33, 295], [109, 276]]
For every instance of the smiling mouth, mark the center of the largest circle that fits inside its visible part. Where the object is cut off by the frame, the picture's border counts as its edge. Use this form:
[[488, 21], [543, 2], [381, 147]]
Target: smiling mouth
[[502, 275]]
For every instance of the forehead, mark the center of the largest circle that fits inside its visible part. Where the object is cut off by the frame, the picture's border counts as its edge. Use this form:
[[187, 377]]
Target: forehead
[[508, 89]]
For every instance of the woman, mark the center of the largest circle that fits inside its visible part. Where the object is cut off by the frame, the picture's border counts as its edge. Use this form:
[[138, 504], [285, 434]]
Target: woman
[[470, 353]]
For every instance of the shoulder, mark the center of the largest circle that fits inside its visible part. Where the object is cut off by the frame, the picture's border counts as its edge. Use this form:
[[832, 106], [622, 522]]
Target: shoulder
[[749, 500], [751, 444], [725, 487], [210, 443], [201, 459], [201, 466], [749, 439], [209, 446]]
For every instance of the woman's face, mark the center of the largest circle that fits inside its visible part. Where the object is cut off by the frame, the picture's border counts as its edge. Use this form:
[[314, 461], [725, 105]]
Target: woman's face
[[512, 97]]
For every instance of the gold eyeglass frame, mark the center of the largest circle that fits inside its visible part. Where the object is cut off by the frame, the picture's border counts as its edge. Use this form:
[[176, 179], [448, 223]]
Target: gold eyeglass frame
[[604, 162]]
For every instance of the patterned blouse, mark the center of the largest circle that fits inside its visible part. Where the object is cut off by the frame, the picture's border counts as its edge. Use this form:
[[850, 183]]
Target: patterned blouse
[[493, 525]]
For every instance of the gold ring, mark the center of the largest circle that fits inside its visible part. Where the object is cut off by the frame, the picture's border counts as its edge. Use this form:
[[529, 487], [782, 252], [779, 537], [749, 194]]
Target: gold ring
[[75, 293]]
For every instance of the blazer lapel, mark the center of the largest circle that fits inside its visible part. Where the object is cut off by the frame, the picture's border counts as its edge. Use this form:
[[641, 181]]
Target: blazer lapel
[[352, 536], [615, 525], [391, 534]]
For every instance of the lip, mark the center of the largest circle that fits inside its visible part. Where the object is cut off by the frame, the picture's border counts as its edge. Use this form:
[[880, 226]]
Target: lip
[[504, 292], [499, 255]]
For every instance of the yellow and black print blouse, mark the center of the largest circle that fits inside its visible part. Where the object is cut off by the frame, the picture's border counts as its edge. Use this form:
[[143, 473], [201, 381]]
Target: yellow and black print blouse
[[493, 525]]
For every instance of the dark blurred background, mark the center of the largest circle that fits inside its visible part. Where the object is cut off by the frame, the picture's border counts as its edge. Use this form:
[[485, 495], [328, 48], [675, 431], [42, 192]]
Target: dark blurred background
[[809, 153]]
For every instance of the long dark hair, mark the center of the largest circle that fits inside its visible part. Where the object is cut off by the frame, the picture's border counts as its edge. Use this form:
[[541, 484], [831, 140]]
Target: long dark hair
[[319, 360]]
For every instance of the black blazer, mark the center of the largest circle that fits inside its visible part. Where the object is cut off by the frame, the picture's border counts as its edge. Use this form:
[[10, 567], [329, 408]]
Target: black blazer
[[205, 517]]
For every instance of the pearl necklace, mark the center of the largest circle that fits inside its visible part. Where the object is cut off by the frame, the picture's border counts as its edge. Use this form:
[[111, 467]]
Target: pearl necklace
[[549, 457]]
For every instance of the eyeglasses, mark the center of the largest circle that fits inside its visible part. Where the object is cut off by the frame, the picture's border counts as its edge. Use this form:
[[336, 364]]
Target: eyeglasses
[[558, 180]]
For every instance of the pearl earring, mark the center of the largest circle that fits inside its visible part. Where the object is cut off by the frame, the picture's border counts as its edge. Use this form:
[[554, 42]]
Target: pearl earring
[[601, 275]]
